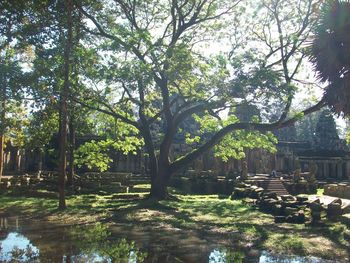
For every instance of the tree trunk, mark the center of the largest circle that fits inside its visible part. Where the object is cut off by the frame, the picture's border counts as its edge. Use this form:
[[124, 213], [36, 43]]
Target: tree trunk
[[159, 189], [63, 108], [70, 178], [63, 153], [2, 146], [159, 183], [2, 129]]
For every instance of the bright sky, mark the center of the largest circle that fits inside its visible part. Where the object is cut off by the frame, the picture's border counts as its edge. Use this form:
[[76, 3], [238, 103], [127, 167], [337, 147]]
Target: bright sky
[[312, 93]]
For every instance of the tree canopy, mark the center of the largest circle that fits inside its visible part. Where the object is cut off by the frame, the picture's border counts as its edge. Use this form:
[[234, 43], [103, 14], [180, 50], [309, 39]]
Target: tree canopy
[[168, 72]]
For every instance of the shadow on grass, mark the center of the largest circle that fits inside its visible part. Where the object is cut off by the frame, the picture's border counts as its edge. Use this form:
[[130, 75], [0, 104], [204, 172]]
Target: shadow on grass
[[207, 215]]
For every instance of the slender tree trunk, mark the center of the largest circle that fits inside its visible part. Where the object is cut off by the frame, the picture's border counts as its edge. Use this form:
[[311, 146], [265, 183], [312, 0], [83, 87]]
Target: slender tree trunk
[[2, 146], [2, 126], [71, 171], [63, 152], [63, 108]]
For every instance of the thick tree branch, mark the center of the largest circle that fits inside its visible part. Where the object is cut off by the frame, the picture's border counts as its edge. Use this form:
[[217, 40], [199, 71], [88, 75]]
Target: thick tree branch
[[104, 33], [108, 112], [262, 127]]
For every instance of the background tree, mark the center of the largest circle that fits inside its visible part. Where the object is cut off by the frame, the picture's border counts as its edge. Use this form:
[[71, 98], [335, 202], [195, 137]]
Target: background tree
[[12, 23], [55, 41], [330, 53], [326, 133]]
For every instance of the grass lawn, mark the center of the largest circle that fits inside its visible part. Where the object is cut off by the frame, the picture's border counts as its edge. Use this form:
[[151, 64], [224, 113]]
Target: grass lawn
[[211, 216]]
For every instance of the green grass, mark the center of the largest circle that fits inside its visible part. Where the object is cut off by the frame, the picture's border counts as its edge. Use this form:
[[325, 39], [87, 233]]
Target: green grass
[[286, 243], [203, 214]]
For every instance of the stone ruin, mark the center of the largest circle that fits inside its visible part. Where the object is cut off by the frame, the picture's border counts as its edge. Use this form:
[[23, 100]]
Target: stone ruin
[[341, 190], [302, 183], [289, 208], [206, 182], [44, 184]]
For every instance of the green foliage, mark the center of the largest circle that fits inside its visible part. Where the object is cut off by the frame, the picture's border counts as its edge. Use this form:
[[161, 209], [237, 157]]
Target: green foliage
[[17, 123], [329, 53], [96, 154], [41, 128], [142, 70], [234, 144]]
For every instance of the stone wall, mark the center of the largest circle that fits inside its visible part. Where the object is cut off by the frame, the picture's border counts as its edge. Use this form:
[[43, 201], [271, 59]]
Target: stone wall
[[337, 190]]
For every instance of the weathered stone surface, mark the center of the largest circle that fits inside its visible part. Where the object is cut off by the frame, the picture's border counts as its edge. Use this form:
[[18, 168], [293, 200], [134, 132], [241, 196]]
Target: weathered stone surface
[[337, 190], [288, 198], [301, 187], [345, 218], [336, 201], [293, 204], [270, 195], [276, 209], [280, 219], [239, 193], [346, 209], [290, 211], [302, 199], [316, 209], [334, 211], [296, 218], [301, 217], [257, 192], [268, 204]]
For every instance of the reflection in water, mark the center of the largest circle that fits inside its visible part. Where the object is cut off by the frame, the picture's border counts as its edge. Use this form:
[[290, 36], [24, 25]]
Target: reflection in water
[[95, 241], [225, 256], [16, 247], [267, 257], [38, 242]]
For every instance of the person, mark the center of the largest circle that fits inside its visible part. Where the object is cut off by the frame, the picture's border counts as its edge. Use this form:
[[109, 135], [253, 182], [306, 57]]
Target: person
[[273, 173]]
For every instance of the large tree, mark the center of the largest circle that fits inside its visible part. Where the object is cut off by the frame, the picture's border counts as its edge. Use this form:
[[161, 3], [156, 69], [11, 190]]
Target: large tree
[[154, 72]]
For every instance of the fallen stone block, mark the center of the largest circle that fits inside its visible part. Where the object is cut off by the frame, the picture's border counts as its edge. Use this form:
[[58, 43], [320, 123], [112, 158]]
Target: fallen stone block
[[302, 199], [288, 198], [334, 211], [280, 219]]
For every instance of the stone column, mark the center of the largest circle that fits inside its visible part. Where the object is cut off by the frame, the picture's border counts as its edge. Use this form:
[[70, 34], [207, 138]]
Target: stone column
[[128, 163], [320, 170], [18, 161], [325, 170], [340, 170], [348, 169], [334, 170]]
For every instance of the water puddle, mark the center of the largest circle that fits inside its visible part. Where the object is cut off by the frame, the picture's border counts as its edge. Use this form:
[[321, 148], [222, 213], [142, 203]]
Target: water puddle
[[33, 241]]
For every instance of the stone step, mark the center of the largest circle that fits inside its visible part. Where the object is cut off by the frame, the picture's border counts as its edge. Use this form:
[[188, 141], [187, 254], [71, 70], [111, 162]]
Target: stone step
[[273, 185]]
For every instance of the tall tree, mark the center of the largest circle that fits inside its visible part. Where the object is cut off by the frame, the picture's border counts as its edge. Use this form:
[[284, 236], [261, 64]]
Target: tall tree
[[63, 114], [153, 72], [330, 53], [11, 25], [52, 74]]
